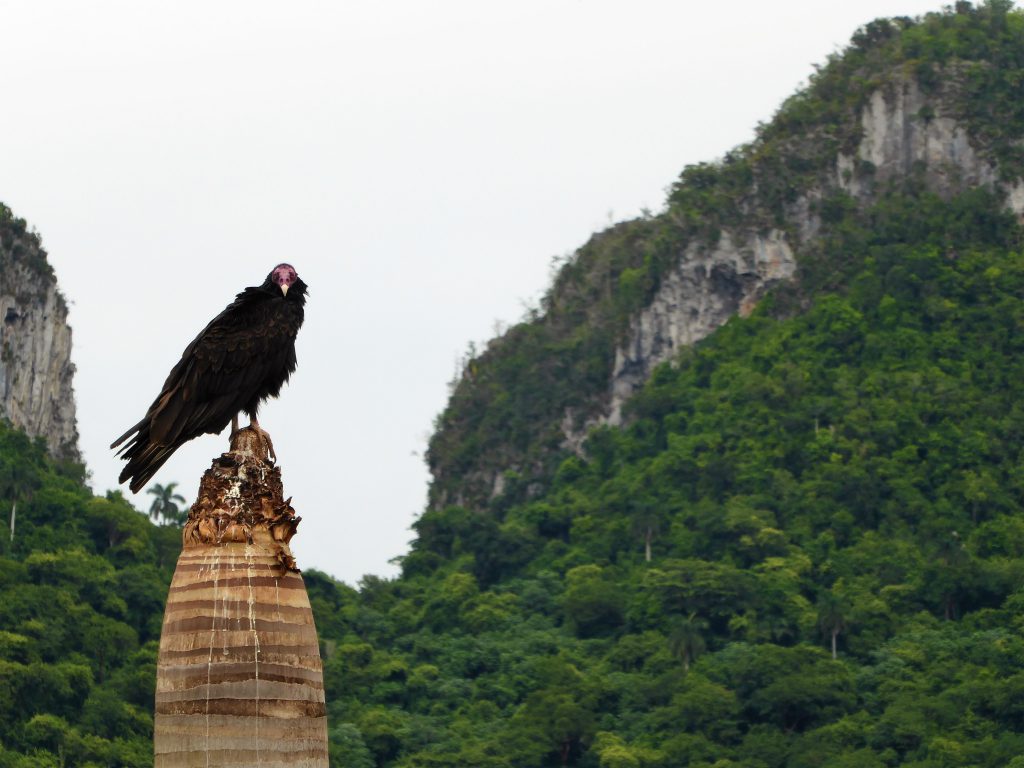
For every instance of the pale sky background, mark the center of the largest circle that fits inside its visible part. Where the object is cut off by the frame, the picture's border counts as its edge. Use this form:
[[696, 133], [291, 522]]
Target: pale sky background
[[420, 163]]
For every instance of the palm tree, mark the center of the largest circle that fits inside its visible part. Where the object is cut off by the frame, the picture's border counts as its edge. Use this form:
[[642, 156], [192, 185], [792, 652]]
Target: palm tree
[[685, 640], [17, 481], [832, 610], [646, 524], [165, 504]]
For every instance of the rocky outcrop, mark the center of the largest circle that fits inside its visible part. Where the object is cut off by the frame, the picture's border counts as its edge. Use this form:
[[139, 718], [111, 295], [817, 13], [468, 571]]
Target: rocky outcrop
[[907, 132], [36, 371], [904, 132], [706, 287]]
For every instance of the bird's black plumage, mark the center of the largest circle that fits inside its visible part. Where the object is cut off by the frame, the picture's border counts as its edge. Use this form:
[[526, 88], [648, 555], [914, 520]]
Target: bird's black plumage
[[244, 356]]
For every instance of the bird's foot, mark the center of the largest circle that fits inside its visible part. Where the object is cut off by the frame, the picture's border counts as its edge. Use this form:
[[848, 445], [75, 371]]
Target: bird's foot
[[253, 440], [268, 444]]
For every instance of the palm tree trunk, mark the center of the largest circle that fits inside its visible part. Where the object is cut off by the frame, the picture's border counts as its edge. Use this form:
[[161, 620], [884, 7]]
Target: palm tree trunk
[[835, 634], [239, 677], [14, 513], [647, 543]]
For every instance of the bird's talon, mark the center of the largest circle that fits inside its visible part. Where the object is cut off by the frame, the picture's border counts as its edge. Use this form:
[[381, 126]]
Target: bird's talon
[[266, 444]]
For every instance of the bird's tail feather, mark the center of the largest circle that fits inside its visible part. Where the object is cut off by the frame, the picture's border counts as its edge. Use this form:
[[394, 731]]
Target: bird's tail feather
[[126, 435], [142, 466]]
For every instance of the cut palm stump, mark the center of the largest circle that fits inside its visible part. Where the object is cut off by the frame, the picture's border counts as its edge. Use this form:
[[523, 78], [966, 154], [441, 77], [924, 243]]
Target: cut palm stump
[[239, 679]]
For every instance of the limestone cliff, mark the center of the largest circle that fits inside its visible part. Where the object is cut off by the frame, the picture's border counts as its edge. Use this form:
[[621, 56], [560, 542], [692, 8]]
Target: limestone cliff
[[35, 342]]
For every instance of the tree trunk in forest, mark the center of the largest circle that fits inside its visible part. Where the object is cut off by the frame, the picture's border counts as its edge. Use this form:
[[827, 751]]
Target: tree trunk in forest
[[239, 677], [648, 535], [14, 512], [835, 634]]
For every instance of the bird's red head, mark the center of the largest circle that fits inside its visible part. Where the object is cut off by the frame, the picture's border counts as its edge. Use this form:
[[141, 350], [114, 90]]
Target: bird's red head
[[284, 276]]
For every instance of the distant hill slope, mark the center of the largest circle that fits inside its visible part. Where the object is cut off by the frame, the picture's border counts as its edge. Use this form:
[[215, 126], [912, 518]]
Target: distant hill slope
[[36, 372], [806, 549], [933, 103]]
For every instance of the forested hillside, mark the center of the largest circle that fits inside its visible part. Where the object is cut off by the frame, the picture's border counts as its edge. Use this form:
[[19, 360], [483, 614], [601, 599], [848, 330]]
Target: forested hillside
[[803, 548], [804, 551], [803, 545], [935, 103], [83, 581]]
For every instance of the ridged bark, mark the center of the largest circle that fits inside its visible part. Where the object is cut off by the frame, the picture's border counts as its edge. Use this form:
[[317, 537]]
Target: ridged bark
[[239, 678]]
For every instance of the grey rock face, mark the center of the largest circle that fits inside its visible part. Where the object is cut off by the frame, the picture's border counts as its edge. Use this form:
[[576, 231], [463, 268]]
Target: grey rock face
[[903, 132], [706, 288], [36, 371]]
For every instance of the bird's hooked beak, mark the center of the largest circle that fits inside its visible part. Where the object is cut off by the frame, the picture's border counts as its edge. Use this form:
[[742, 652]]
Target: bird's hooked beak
[[284, 288]]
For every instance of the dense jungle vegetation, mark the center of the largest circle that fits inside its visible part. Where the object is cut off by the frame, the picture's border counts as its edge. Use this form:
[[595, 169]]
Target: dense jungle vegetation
[[805, 549], [83, 581]]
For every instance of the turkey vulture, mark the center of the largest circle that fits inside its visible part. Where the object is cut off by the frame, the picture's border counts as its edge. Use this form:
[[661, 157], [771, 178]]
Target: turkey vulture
[[241, 358]]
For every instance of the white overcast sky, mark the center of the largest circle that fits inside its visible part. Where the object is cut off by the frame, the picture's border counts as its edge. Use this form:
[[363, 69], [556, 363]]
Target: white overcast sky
[[420, 163]]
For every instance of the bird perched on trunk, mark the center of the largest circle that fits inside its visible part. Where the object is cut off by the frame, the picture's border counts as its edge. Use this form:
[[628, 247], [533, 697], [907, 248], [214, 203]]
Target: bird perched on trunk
[[241, 358]]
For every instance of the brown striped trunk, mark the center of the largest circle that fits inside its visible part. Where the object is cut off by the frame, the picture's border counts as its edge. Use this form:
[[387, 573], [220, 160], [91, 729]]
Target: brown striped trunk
[[239, 679]]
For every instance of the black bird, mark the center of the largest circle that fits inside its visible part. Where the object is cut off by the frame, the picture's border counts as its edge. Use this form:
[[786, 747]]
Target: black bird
[[244, 356]]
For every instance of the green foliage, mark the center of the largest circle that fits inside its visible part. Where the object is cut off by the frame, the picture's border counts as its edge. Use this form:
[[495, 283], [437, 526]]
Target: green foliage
[[18, 245], [82, 589], [835, 578], [165, 504], [592, 602]]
